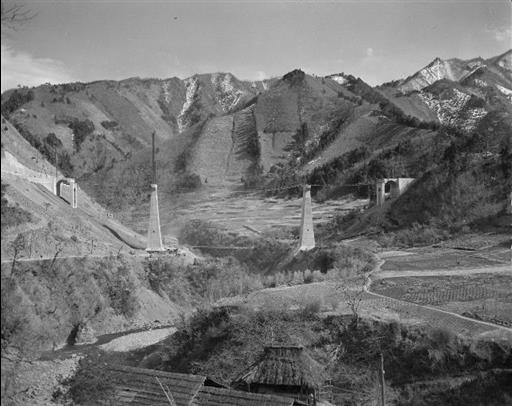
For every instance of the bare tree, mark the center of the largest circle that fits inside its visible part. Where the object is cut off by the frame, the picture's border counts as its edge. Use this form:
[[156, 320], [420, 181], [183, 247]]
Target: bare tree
[[18, 245], [119, 252], [15, 15], [353, 296], [57, 252]]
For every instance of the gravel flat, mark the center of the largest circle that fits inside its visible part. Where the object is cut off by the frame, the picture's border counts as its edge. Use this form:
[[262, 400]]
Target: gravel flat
[[137, 340]]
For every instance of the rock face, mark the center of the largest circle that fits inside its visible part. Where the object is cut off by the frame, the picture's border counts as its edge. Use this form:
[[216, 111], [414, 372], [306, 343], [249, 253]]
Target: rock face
[[85, 334], [436, 70], [454, 109]]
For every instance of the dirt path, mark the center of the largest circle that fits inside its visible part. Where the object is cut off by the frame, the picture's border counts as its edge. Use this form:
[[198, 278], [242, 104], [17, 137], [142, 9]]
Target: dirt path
[[60, 258]]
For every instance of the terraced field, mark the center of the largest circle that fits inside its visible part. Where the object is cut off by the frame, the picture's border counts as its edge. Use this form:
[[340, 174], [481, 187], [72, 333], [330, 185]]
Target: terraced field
[[443, 289], [239, 211], [482, 296], [412, 313], [435, 258]]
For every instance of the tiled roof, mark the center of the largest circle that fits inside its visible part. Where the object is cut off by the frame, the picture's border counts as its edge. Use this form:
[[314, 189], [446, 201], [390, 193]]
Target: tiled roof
[[210, 396], [138, 386]]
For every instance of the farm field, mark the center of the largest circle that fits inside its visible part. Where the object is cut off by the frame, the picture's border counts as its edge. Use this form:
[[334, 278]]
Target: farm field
[[486, 297], [332, 300], [446, 258]]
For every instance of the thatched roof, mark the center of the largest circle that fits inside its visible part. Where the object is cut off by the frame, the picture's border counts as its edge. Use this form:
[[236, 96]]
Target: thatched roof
[[285, 365], [209, 396]]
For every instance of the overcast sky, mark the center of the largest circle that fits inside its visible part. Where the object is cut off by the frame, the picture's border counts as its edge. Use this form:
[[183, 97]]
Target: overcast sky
[[375, 40]]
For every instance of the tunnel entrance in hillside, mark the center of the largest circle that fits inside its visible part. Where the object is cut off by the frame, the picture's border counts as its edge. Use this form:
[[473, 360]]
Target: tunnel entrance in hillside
[[391, 188], [67, 190]]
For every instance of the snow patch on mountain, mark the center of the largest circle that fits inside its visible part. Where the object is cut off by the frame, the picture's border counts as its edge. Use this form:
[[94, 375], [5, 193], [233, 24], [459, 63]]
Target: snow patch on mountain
[[228, 96], [506, 61], [439, 69], [505, 91], [480, 83], [165, 92], [453, 110], [191, 85]]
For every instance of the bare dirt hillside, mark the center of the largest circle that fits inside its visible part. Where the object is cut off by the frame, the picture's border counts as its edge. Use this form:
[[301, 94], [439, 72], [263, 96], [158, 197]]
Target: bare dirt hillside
[[213, 128], [54, 226]]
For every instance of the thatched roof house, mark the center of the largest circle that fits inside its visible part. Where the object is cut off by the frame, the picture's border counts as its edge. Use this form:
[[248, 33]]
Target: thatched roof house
[[286, 371]]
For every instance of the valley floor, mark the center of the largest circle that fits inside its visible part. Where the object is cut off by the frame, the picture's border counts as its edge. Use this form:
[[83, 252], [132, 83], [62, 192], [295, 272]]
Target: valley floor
[[243, 212], [485, 289], [465, 289]]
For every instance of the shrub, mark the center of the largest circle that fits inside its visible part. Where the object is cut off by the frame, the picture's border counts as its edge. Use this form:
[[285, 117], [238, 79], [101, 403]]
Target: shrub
[[109, 125], [64, 162], [416, 235], [16, 100], [261, 253], [311, 309], [81, 129], [14, 320], [12, 215], [92, 382], [47, 148], [337, 262], [121, 297], [203, 282], [52, 140], [308, 276], [187, 181]]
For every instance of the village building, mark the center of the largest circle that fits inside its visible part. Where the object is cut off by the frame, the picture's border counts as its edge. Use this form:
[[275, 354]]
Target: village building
[[141, 386], [285, 371]]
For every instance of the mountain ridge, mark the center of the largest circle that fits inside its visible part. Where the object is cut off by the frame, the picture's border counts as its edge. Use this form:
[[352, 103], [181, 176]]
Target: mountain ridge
[[217, 129]]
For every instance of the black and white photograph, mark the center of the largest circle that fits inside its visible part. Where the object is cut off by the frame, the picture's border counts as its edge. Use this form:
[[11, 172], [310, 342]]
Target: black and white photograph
[[256, 202]]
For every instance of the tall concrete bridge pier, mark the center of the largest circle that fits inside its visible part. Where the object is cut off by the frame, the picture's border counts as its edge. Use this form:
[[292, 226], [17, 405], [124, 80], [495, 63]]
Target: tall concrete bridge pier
[[307, 235], [154, 243]]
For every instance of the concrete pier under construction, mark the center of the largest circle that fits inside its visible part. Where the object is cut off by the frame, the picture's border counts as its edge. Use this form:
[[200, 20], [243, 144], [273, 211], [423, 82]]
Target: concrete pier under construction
[[307, 235]]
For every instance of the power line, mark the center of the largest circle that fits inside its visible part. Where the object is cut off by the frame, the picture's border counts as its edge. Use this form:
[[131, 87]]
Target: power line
[[222, 247]]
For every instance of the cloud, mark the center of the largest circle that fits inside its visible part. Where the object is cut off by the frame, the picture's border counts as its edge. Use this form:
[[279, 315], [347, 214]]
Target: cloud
[[251, 75], [369, 52], [501, 34], [260, 75], [21, 68]]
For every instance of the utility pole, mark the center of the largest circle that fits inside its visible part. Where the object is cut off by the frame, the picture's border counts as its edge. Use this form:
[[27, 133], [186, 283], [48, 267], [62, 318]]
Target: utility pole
[[56, 171], [381, 378], [153, 157]]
